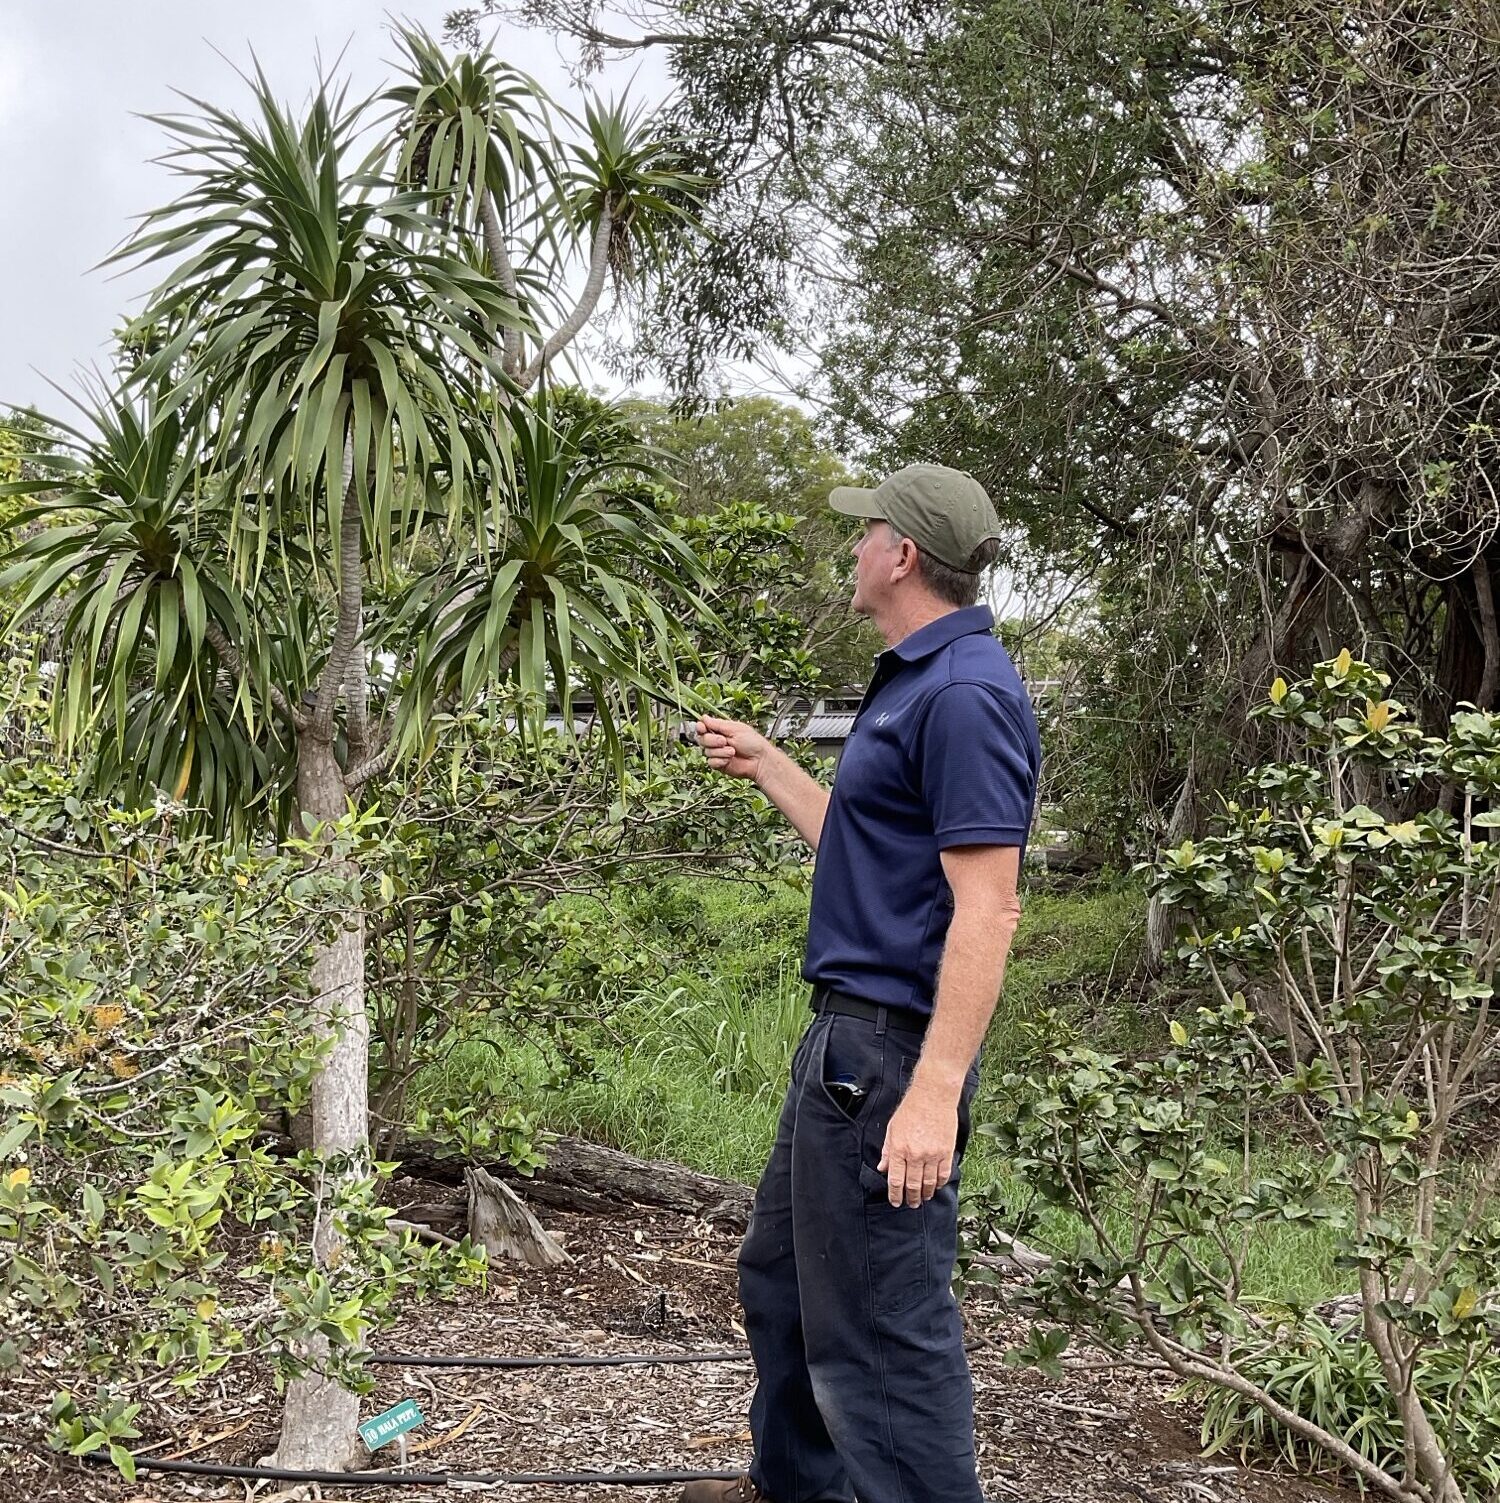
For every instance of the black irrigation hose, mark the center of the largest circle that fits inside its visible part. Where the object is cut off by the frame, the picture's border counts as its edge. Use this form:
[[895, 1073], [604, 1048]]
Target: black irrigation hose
[[418, 1479], [626, 1359], [443, 1479]]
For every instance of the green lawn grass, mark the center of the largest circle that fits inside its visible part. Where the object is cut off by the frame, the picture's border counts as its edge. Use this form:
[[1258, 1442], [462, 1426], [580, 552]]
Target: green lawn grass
[[701, 1077]]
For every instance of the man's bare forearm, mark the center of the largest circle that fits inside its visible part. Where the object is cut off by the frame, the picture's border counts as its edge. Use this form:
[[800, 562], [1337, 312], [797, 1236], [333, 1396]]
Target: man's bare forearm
[[973, 970], [799, 796]]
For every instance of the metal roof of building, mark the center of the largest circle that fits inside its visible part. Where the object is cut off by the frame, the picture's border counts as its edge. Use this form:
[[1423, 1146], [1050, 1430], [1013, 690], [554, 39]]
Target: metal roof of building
[[824, 726]]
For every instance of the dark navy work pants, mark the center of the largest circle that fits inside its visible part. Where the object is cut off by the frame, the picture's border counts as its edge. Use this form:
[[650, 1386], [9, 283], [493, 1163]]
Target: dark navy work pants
[[863, 1390]]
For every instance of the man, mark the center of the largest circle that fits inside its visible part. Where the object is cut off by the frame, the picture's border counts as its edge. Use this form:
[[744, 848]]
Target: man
[[863, 1389]]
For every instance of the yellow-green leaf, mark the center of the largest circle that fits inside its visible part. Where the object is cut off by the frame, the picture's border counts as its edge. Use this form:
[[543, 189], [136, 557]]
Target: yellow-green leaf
[[1178, 1032], [1278, 690], [1343, 663], [1464, 1305]]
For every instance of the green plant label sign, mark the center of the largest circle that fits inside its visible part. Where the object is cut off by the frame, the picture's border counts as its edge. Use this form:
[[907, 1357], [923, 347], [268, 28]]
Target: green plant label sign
[[405, 1416]]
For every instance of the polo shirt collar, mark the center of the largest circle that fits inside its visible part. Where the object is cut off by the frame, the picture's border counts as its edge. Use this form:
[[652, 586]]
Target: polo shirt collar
[[926, 640]]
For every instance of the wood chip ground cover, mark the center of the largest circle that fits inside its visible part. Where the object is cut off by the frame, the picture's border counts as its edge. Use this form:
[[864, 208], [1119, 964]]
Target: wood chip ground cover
[[656, 1282]]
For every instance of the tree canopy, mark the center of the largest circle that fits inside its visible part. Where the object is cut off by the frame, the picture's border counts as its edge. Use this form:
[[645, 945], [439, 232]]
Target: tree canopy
[[766, 458], [1201, 293]]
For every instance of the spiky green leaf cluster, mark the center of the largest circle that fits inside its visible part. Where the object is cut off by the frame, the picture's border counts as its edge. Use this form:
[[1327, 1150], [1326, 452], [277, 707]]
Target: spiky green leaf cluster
[[317, 503]]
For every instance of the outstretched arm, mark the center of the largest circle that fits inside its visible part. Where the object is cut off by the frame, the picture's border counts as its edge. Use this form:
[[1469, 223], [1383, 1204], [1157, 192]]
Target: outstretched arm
[[741, 751]]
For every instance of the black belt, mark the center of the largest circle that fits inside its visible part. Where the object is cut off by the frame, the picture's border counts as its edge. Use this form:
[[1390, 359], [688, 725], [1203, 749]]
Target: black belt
[[899, 1019]]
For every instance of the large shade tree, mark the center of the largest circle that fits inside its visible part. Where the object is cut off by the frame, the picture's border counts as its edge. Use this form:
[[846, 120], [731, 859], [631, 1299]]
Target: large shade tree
[[327, 509], [754, 452], [1206, 293]]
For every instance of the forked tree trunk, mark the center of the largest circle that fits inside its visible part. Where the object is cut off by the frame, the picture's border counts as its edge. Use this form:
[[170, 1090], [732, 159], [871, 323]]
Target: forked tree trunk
[[1423, 1445], [320, 1420]]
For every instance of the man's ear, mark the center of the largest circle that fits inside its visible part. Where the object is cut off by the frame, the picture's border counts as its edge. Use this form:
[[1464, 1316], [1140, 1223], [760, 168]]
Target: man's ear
[[907, 562]]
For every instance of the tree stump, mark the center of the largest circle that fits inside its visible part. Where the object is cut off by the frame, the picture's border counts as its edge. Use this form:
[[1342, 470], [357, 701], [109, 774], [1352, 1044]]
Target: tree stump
[[500, 1222]]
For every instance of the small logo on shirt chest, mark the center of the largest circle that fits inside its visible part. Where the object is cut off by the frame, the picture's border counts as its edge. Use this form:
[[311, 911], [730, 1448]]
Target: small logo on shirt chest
[[882, 717]]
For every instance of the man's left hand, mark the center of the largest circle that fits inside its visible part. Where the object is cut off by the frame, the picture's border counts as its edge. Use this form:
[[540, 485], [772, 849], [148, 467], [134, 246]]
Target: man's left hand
[[919, 1142]]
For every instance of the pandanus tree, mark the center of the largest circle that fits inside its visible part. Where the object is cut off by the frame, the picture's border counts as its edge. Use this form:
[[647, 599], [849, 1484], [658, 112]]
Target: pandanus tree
[[616, 191], [334, 444]]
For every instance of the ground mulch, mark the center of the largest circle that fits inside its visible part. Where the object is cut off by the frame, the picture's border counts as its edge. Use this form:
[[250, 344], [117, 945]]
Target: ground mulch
[[656, 1282]]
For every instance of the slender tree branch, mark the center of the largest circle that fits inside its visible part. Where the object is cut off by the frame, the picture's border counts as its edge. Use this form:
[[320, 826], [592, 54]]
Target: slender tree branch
[[505, 274], [372, 767], [229, 655], [1488, 631], [1188, 1364], [593, 289]]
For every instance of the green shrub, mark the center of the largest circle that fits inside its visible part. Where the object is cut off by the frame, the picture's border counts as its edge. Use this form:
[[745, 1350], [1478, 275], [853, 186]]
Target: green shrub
[[151, 1016], [1332, 1377], [1344, 932]]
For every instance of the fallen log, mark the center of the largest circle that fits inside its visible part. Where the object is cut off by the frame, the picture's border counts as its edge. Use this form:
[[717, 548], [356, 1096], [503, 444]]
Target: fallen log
[[582, 1176], [1016, 1258], [1062, 862]]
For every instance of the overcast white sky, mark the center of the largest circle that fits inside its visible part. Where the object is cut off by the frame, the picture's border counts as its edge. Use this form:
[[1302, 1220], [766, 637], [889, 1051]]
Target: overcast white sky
[[75, 159]]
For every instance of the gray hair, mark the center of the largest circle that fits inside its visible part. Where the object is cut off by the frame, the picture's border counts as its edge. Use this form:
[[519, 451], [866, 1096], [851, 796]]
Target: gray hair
[[959, 587]]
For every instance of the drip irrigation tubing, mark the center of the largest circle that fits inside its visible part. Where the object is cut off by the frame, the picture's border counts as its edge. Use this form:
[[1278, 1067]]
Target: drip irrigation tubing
[[624, 1359], [419, 1479], [666, 1478]]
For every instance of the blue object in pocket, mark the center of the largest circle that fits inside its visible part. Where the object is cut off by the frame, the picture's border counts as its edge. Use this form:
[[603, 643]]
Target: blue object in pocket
[[847, 1093]]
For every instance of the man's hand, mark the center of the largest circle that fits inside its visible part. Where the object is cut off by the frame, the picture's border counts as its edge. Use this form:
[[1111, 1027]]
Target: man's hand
[[740, 750], [733, 747], [919, 1143]]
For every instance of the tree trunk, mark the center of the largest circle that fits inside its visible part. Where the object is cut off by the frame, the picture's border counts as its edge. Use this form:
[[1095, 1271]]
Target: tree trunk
[[1461, 654], [1207, 772], [320, 1421], [1422, 1440], [1160, 919], [1468, 662]]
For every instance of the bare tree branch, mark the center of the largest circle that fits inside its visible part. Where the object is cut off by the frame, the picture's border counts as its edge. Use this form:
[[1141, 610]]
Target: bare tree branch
[[588, 300]]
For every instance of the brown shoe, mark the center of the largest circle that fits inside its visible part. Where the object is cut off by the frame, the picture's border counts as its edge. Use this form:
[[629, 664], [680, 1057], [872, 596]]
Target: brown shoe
[[741, 1490]]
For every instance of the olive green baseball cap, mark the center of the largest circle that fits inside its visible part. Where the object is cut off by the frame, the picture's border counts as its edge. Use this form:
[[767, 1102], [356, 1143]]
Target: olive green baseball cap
[[944, 512]]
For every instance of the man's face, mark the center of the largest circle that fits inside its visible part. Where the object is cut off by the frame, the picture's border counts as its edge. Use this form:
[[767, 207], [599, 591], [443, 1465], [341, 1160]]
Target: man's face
[[876, 554]]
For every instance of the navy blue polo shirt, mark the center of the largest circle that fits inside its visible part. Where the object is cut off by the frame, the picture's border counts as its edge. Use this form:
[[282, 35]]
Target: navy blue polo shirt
[[943, 752]]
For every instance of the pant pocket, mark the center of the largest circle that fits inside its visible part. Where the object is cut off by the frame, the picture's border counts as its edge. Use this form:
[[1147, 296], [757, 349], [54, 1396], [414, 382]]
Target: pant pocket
[[897, 1247], [848, 1070]]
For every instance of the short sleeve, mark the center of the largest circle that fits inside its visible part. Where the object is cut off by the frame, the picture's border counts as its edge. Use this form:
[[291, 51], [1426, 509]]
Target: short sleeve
[[975, 768]]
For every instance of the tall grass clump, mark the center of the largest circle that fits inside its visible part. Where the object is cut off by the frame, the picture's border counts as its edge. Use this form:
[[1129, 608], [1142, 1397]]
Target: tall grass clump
[[692, 1065]]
